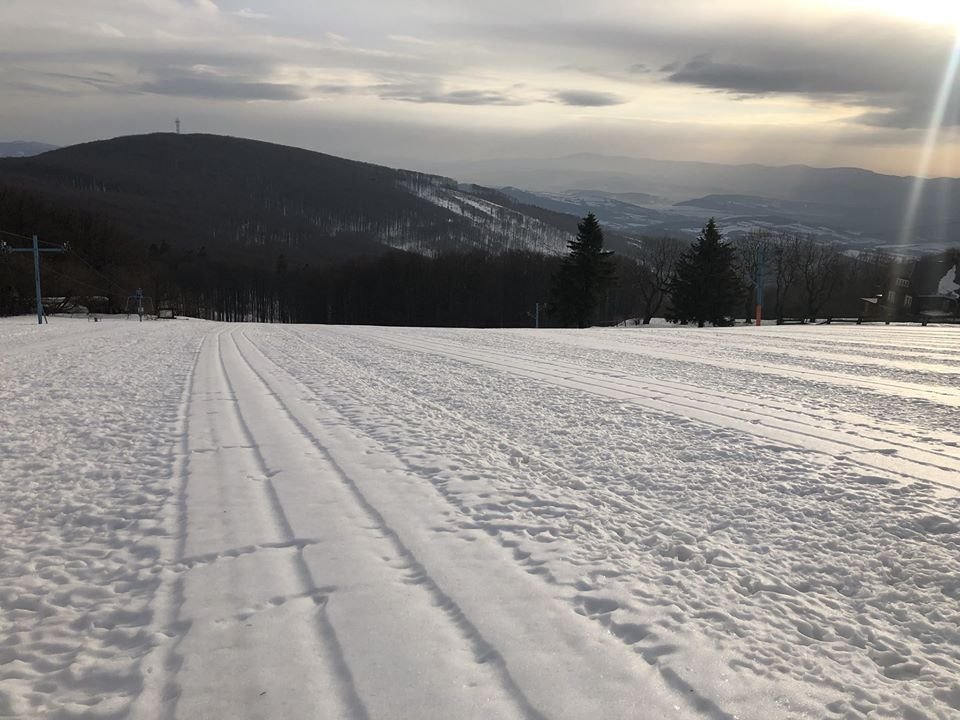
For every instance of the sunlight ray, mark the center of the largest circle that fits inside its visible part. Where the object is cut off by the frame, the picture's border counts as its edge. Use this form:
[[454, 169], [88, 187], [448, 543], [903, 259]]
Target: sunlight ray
[[944, 96]]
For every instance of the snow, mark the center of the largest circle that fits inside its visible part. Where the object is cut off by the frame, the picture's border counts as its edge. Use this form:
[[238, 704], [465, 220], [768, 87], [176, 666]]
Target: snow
[[209, 520], [949, 287]]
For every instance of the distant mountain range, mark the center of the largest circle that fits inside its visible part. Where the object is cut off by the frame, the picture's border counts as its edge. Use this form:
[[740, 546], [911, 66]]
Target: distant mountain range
[[257, 200], [20, 148], [856, 208]]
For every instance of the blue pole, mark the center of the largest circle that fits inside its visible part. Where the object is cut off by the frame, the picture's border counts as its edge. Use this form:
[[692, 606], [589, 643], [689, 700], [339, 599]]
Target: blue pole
[[36, 278], [760, 260]]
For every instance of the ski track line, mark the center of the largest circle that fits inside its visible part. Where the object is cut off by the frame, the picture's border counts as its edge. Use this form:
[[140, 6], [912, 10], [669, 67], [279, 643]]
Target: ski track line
[[655, 391], [619, 380], [931, 343], [668, 405], [903, 389], [702, 357], [838, 353], [328, 635], [684, 692], [533, 460], [501, 440], [451, 498], [354, 359], [725, 401], [484, 651], [98, 667], [166, 699], [159, 668]]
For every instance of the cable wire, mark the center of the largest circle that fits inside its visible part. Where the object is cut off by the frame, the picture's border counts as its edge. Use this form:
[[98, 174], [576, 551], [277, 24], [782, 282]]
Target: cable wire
[[78, 256], [16, 235], [73, 280]]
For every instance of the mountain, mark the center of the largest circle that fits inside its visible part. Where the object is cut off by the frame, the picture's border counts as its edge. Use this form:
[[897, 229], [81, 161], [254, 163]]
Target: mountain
[[257, 200], [20, 148], [857, 208]]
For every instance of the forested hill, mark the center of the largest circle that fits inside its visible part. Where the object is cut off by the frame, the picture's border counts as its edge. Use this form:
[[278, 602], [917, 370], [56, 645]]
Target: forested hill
[[233, 229], [258, 200]]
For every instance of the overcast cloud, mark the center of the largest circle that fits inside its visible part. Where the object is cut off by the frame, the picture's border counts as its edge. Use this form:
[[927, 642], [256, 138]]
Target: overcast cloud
[[838, 84]]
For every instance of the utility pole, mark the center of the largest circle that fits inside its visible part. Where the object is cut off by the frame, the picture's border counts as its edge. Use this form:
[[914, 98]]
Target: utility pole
[[760, 260], [36, 250], [535, 315]]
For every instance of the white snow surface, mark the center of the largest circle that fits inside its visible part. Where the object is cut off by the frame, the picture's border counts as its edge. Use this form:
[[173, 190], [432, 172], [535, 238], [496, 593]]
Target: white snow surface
[[202, 520], [949, 286]]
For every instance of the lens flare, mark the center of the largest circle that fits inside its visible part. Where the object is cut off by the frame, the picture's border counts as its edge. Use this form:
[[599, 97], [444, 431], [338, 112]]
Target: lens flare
[[934, 12], [944, 98]]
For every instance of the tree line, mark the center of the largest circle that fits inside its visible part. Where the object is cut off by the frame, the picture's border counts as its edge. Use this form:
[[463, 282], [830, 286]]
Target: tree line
[[801, 278], [714, 281]]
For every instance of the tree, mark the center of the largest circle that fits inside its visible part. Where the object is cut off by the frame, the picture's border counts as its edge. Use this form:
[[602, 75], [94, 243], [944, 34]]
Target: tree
[[785, 256], [706, 287], [819, 274], [658, 259], [585, 275], [753, 252]]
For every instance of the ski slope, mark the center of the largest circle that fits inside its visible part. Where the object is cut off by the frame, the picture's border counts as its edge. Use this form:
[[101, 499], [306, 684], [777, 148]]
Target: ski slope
[[203, 520]]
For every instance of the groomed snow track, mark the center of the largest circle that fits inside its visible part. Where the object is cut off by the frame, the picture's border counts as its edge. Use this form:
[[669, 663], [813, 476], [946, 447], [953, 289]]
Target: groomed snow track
[[401, 523]]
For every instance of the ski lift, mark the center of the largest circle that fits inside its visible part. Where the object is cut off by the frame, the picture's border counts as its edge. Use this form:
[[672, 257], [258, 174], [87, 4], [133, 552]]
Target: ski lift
[[138, 303]]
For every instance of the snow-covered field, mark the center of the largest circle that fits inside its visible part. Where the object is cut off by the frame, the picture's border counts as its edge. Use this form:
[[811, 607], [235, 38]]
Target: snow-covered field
[[235, 521]]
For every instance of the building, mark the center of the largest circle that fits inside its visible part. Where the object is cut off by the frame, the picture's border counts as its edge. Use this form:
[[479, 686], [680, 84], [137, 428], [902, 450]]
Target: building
[[936, 287]]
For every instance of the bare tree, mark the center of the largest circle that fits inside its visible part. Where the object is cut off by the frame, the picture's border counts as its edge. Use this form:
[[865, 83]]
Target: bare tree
[[819, 271], [754, 252], [785, 261], [873, 271], [658, 258]]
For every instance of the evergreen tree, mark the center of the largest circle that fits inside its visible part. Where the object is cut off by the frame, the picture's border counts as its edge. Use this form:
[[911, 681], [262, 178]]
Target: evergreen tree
[[585, 275], [706, 288]]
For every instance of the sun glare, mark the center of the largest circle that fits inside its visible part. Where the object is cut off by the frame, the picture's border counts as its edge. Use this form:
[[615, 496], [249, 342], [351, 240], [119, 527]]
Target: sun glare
[[935, 12]]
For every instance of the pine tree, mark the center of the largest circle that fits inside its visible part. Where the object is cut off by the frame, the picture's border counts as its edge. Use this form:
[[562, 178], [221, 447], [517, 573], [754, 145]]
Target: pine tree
[[706, 288], [585, 275]]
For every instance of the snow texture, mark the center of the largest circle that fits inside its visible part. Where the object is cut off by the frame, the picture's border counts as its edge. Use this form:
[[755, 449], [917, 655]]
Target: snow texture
[[212, 521]]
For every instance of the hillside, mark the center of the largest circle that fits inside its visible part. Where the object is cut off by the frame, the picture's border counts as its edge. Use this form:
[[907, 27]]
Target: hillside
[[233, 229], [257, 200], [854, 207], [20, 148]]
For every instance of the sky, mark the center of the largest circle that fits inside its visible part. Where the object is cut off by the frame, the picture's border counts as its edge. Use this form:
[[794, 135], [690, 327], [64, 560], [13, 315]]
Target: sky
[[420, 83]]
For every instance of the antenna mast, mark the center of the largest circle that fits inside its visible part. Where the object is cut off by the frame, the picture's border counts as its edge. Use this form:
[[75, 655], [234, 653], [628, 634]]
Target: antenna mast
[[177, 123]]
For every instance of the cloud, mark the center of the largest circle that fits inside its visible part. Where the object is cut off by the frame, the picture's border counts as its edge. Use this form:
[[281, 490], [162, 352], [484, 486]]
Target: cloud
[[414, 93], [249, 14], [748, 79], [335, 89], [427, 63], [219, 88], [912, 114], [588, 98], [410, 40], [895, 75], [886, 70], [110, 31]]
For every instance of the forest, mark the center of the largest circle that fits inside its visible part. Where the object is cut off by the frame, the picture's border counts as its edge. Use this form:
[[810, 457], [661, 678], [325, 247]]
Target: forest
[[469, 288]]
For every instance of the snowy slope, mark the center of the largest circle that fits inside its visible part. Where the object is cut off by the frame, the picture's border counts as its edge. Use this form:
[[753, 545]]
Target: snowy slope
[[492, 227], [204, 520]]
